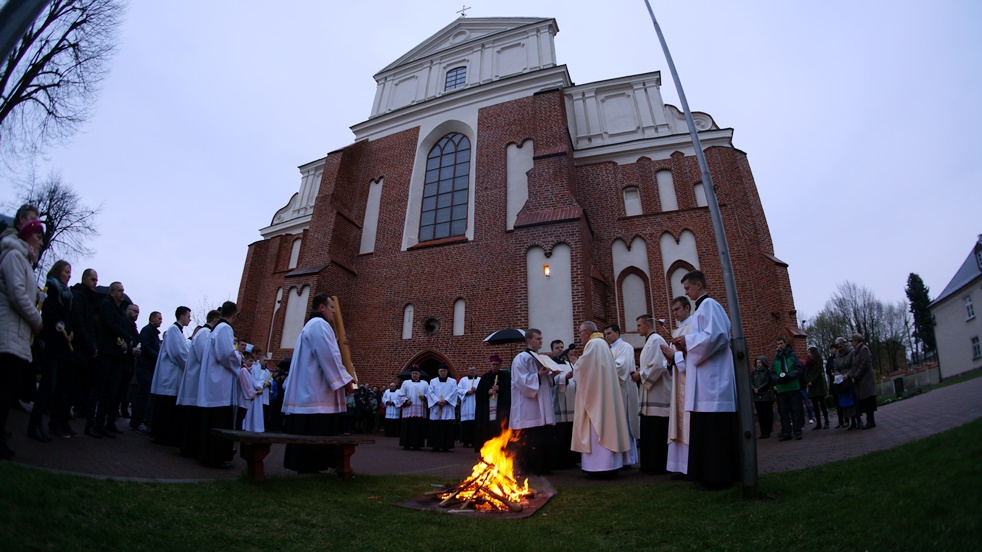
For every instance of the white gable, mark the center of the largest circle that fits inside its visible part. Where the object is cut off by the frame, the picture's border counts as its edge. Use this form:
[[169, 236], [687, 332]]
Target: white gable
[[487, 49], [462, 31]]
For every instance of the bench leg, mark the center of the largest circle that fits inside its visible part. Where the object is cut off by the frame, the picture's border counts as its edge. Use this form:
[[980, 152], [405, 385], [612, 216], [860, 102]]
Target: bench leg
[[253, 454], [344, 461]]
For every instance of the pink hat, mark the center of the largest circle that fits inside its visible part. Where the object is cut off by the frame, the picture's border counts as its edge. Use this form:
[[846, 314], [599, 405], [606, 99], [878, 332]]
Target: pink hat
[[495, 358], [29, 229]]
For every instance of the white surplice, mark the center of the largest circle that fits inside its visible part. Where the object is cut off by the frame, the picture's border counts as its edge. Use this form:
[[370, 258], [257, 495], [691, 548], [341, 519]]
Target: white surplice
[[678, 419], [413, 394], [468, 402], [391, 401], [317, 376], [446, 390], [171, 360], [710, 385], [219, 369], [187, 391], [624, 364], [531, 395]]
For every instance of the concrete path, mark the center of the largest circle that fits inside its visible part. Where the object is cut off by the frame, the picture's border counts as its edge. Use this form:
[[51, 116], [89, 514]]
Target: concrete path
[[134, 457]]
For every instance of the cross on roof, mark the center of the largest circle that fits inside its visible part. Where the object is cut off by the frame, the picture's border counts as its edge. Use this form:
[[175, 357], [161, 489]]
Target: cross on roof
[[463, 10]]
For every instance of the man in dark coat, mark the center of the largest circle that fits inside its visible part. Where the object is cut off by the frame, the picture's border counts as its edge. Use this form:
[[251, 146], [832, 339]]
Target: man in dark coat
[[145, 365], [494, 389], [85, 302], [115, 332]]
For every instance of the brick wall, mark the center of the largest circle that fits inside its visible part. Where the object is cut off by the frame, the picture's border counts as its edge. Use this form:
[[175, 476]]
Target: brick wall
[[579, 206]]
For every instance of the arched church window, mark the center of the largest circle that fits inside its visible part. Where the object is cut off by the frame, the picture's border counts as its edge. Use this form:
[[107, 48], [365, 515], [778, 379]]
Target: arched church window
[[666, 191], [445, 189], [456, 78], [632, 202], [700, 192], [294, 253]]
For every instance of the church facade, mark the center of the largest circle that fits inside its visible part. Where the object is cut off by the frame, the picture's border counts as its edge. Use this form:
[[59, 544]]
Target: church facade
[[487, 191]]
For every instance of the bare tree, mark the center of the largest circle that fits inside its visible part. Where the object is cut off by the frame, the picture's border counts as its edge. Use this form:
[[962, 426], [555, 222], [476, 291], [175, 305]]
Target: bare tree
[[895, 324], [825, 327], [200, 309], [50, 78], [68, 223], [854, 308]]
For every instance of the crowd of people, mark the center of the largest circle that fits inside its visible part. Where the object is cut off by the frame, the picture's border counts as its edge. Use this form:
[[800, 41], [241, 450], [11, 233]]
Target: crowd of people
[[602, 409], [671, 411], [96, 366], [845, 376]]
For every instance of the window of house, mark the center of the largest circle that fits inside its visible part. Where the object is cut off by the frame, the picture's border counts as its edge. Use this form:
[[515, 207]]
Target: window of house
[[976, 348], [456, 78], [445, 189], [969, 309], [632, 202]]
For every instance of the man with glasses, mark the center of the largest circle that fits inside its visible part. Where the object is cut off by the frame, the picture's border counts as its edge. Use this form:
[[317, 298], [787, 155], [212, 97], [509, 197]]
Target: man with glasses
[[678, 418]]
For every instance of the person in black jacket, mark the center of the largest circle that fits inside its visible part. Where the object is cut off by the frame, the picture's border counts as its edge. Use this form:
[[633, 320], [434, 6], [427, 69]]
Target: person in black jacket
[[114, 334], [84, 342], [145, 365], [54, 389]]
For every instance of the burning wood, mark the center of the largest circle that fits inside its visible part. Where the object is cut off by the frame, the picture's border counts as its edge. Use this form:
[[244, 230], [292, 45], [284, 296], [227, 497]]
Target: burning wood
[[491, 485]]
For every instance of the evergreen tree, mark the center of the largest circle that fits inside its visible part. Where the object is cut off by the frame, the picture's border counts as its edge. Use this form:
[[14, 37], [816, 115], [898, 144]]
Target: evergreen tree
[[917, 294]]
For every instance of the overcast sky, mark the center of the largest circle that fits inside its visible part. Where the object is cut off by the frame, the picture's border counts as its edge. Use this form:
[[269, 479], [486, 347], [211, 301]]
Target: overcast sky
[[860, 119]]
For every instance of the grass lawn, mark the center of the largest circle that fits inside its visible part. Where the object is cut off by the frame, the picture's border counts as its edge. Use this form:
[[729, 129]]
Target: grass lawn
[[923, 496]]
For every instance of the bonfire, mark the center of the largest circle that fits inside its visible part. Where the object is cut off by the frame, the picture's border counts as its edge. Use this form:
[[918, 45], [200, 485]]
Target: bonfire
[[492, 485]]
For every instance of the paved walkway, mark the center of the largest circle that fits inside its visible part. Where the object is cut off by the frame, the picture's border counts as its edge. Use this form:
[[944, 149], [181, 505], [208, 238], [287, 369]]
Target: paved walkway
[[133, 456]]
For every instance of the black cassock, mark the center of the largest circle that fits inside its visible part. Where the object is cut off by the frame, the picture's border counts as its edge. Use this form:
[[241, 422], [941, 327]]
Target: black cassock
[[485, 429]]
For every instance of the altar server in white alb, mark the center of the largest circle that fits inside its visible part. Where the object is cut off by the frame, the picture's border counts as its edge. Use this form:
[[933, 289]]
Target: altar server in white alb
[[187, 392], [656, 398], [466, 391], [414, 411], [218, 389], [531, 406], [391, 400], [441, 394], [710, 390], [678, 418], [250, 397], [171, 360], [261, 377], [600, 431], [624, 364], [314, 391]]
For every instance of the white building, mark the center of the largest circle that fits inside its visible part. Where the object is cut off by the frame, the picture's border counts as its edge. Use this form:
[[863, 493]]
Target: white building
[[957, 328]]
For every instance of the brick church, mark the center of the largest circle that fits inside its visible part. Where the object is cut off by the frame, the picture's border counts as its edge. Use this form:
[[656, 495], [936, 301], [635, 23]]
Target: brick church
[[485, 190]]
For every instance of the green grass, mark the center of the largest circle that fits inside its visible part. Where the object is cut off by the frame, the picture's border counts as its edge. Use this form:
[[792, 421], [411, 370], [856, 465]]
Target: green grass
[[925, 495]]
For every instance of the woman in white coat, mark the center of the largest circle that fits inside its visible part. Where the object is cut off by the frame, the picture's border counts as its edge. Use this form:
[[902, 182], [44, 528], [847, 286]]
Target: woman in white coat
[[19, 316]]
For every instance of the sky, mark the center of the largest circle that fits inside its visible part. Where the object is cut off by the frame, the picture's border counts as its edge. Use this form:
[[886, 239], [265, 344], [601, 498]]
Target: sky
[[860, 121]]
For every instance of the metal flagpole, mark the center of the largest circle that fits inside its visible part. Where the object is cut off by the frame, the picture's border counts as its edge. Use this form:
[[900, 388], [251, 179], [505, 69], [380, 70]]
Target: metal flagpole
[[748, 443]]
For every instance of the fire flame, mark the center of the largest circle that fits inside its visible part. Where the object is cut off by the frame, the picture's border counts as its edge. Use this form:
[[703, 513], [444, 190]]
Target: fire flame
[[491, 479]]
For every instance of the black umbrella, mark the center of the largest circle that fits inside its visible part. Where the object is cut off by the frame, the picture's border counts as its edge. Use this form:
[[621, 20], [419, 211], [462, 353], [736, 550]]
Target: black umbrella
[[284, 365], [408, 374], [509, 335]]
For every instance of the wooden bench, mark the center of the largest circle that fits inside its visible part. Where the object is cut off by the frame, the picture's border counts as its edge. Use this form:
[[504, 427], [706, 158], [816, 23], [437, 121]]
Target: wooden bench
[[255, 447]]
